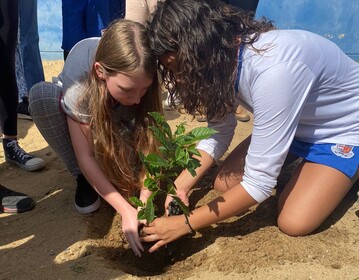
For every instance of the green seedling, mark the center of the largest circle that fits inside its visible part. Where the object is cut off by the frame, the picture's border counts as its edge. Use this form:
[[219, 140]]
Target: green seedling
[[175, 154]]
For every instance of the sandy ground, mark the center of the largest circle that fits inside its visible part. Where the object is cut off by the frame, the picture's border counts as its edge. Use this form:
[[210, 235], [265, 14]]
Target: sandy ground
[[55, 242]]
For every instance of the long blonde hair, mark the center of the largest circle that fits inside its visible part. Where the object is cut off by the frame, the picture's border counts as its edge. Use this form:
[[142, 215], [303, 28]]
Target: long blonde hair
[[124, 48]]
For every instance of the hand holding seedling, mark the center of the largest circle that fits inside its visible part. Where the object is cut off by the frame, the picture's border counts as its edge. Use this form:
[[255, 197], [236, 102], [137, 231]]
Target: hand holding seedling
[[182, 195], [176, 154], [129, 228], [165, 230]]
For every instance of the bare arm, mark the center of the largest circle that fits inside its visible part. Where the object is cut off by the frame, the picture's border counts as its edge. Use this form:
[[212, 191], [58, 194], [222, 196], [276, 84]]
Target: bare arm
[[168, 229], [185, 181], [82, 143], [232, 202]]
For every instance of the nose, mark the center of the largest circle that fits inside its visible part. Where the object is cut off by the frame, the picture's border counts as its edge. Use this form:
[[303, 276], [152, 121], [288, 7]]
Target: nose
[[136, 98]]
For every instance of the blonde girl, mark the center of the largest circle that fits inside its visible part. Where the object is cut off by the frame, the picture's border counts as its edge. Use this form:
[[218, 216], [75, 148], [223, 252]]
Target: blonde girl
[[96, 120]]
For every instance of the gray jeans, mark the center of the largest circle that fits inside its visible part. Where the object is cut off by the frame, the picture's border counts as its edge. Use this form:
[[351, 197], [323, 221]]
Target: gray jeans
[[45, 110]]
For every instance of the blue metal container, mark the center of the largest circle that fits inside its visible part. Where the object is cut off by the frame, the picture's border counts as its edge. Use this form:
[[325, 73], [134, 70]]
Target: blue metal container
[[336, 20]]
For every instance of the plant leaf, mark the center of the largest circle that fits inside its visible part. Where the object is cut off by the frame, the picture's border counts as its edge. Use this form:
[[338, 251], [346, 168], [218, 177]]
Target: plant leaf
[[149, 211], [156, 160], [160, 136], [192, 150], [141, 214], [181, 129], [200, 133], [150, 184], [136, 201], [175, 154], [159, 118]]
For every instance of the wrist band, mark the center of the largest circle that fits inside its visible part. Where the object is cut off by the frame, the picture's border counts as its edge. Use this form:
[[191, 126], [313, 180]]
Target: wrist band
[[191, 230]]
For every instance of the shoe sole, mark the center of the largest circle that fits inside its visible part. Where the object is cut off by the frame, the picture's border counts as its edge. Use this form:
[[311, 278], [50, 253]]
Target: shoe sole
[[27, 168], [16, 210], [89, 209], [243, 119]]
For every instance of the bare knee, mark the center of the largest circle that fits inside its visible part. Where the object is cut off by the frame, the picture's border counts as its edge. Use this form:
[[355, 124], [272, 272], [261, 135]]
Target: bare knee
[[294, 225]]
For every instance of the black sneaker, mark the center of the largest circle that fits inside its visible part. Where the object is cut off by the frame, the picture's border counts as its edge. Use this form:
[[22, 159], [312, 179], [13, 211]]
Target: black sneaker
[[14, 202], [16, 155], [23, 109], [87, 199]]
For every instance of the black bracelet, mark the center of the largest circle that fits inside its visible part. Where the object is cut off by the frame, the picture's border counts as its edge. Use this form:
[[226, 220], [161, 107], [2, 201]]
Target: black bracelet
[[191, 230]]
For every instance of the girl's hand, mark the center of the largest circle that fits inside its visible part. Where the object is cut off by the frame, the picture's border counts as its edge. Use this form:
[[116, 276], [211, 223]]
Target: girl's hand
[[165, 230], [130, 229], [181, 195]]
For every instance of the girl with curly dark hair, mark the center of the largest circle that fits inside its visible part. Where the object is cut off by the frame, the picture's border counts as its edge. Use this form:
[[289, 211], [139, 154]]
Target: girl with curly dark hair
[[304, 95]]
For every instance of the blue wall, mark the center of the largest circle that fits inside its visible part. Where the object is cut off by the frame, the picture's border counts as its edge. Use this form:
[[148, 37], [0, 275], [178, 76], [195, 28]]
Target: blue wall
[[50, 29], [337, 20]]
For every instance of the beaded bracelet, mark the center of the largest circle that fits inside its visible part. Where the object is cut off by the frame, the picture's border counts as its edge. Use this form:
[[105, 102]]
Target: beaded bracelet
[[191, 230]]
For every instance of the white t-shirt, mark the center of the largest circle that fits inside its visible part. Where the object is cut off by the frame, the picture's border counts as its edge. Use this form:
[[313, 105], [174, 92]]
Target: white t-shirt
[[303, 86]]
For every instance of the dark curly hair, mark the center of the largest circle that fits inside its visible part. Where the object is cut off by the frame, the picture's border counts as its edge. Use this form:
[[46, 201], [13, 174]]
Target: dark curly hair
[[204, 35]]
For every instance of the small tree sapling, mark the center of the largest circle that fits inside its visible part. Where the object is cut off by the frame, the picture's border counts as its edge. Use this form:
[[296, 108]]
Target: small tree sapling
[[175, 154]]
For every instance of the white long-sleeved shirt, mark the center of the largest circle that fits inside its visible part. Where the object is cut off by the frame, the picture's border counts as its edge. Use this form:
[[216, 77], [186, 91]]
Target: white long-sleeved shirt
[[303, 86]]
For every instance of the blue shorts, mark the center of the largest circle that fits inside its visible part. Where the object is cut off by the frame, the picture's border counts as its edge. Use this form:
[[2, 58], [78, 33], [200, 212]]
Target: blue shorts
[[344, 158]]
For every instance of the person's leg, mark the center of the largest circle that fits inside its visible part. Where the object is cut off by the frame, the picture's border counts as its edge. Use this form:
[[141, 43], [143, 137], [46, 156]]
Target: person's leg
[[310, 196], [20, 76], [73, 24], [8, 87], [9, 92], [29, 43], [97, 17], [45, 110], [23, 106], [10, 201]]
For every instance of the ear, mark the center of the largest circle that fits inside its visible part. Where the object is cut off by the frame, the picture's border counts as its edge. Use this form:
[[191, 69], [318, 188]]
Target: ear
[[99, 71]]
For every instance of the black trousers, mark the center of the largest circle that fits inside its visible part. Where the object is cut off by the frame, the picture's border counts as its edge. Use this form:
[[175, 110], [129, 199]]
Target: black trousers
[[8, 87]]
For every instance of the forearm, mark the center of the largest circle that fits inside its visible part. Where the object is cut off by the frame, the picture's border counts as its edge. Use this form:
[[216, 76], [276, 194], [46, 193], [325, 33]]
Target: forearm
[[185, 181], [234, 201], [81, 138], [103, 186]]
